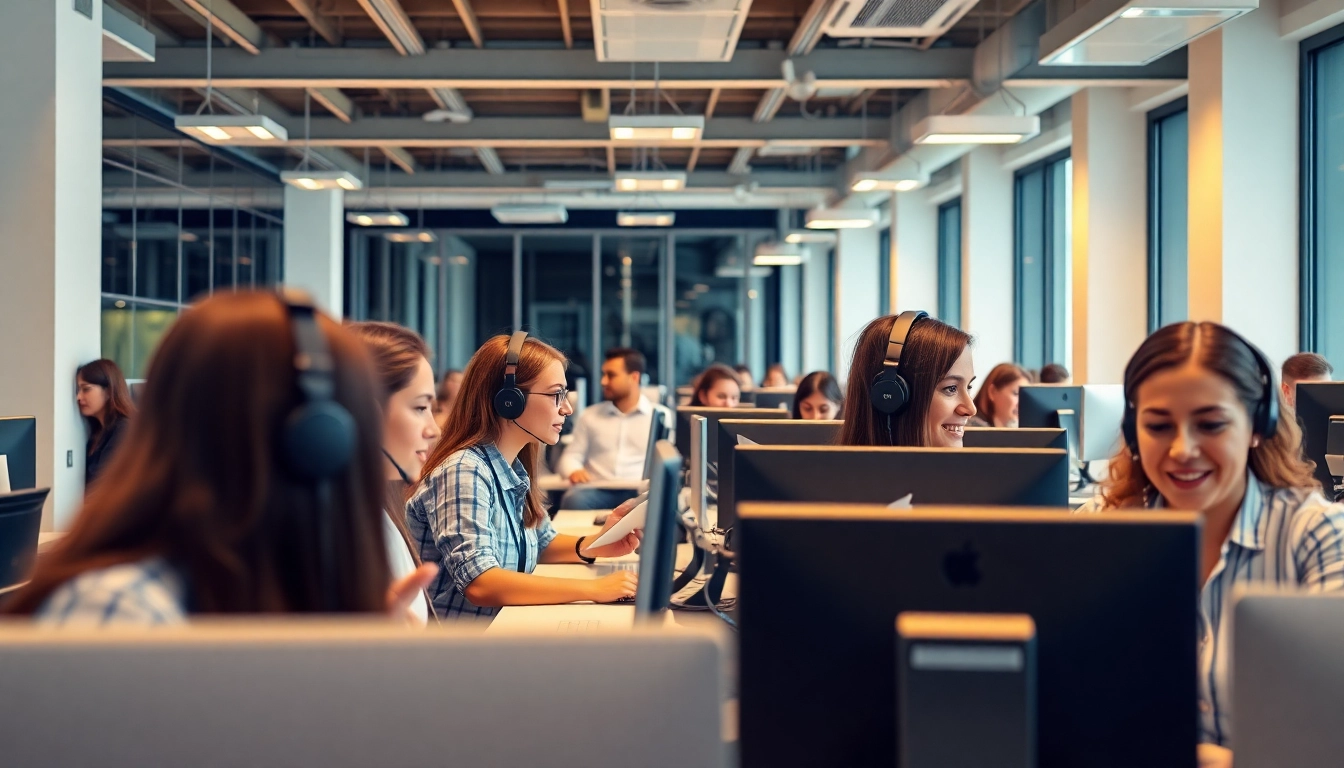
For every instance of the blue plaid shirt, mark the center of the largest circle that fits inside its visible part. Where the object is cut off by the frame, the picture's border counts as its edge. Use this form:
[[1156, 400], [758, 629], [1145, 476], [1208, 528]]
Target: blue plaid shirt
[[145, 593], [1288, 537], [468, 517]]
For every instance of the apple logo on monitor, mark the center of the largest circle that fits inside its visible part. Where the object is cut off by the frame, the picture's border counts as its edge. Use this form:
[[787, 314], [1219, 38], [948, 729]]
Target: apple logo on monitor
[[961, 567]]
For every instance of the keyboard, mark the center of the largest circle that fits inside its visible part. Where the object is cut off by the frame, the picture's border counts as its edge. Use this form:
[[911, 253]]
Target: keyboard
[[606, 569], [578, 627]]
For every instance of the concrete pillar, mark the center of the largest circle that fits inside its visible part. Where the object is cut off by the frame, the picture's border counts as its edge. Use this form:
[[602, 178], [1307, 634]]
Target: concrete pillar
[[1110, 228], [818, 314], [857, 293], [314, 245], [790, 319], [50, 210], [1244, 180], [987, 256], [914, 253]]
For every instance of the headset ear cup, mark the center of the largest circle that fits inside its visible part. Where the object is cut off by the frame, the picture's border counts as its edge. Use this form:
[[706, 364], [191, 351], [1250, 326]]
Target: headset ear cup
[[319, 440], [510, 402], [890, 393]]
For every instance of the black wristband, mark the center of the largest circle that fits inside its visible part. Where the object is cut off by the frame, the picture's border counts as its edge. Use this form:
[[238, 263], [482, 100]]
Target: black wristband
[[578, 545]]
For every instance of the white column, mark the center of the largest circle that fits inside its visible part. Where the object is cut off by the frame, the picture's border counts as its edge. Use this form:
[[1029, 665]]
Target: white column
[[817, 310], [858, 294], [1244, 180], [314, 245], [914, 252], [1110, 226], [987, 256], [790, 321], [50, 210]]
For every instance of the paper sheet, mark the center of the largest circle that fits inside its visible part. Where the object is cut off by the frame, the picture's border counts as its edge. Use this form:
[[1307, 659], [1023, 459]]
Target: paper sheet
[[623, 527]]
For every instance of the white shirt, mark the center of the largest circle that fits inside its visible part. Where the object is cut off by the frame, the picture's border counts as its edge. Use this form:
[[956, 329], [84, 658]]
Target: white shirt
[[403, 565], [609, 444]]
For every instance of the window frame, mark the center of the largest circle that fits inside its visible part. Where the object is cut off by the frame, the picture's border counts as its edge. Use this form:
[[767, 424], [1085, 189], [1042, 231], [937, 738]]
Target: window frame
[[1309, 259], [1156, 117], [944, 259], [1051, 208]]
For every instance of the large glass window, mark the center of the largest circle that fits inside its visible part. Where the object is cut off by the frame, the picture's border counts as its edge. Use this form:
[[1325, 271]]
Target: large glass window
[[1322, 271], [1042, 200], [949, 262], [1168, 200]]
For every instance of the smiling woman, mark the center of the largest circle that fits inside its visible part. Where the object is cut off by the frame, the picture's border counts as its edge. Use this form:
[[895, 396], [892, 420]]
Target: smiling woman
[[1202, 432]]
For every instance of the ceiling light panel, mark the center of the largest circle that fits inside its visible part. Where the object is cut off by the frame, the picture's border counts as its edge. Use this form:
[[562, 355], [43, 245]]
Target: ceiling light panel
[[684, 129], [1134, 33], [975, 129], [314, 181], [650, 181], [231, 129]]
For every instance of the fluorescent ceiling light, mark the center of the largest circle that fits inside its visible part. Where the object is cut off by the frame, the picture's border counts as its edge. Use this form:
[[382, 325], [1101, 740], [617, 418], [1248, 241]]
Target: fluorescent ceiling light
[[542, 213], [679, 128], [873, 182], [841, 218], [378, 218], [778, 255], [810, 236], [1133, 33], [975, 129], [411, 236], [222, 129], [315, 180], [650, 181], [777, 148], [645, 218], [577, 184]]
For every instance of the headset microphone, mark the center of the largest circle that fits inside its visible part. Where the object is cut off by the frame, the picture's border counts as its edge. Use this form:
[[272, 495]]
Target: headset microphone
[[525, 429], [405, 478]]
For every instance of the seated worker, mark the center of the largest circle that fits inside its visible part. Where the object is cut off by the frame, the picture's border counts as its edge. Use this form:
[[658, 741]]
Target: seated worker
[[909, 384], [1303, 367], [996, 402], [1054, 373], [475, 511], [716, 387], [610, 439], [270, 501], [818, 398], [775, 377], [1204, 430]]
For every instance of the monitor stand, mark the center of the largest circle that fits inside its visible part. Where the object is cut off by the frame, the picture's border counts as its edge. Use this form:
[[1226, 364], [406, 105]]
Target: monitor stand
[[1334, 454]]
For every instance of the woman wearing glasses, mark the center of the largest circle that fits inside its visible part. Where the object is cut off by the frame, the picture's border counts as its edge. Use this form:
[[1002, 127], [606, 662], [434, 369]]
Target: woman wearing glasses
[[475, 512]]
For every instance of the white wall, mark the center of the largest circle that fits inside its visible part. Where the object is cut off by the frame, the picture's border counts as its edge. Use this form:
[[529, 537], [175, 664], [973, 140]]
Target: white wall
[[987, 256], [314, 247], [858, 293], [915, 252], [790, 319], [817, 310], [460, 302]]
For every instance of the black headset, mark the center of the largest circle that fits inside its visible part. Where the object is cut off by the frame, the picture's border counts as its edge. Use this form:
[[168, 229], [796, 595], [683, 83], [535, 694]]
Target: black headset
[[891, 392], [1264, 421], [318, 437], [510, 401]]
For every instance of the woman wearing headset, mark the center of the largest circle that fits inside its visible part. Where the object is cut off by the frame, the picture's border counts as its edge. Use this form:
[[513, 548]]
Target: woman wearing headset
[[475, 511], [1203, 432], [909, 384]]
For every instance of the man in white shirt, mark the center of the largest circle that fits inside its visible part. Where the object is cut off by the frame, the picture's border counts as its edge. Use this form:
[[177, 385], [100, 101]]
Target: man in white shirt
[[610, 439]]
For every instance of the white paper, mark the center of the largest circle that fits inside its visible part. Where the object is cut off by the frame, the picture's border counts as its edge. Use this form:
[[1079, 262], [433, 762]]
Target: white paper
[[4, 474], [744, 440], [623, 527], [902, 503]]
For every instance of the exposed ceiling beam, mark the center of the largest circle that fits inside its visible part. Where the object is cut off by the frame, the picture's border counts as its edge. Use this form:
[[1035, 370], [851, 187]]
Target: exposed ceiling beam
[[611, 159], [162, 37], [401, 158], [229, 22], [804, 40], [695, 159], [242, 101], [469, 21], [542, 69], [148, 159], [490, 160], [713, 102], [741, 162], [565, 28], [516, 132], [769, 105], [396, 26], [324, 27], [335, 102]]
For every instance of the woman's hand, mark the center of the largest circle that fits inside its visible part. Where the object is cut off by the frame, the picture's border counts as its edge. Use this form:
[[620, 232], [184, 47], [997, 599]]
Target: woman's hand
[[617, 548], [613, 587], [404, 591], [1213, 756]]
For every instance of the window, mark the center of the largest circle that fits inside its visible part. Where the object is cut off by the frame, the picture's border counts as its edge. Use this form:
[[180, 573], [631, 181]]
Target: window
[[1322, 271], [1042, 202], [884, 271], [949, 262], [1168, 239]]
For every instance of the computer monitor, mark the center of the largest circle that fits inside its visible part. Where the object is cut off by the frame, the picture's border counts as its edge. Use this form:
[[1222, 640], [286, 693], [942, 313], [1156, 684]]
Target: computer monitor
[[775, 397], [1320, 411], [658, 430], [346, 695], [1288, 675], [1090, 412], [20, 523], [999, 477], [698, 436], [820, 588], [766, 432], [1019, 437], [713, 415], [18, 444], [658, 550]]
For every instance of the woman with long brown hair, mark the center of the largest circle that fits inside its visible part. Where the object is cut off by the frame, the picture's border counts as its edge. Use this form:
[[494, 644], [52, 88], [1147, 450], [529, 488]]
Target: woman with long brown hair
[[996, 402], [717, 387], [476, 511], [401, 360], [228, 509], [1204, 430], [935, 363], [104, 401]]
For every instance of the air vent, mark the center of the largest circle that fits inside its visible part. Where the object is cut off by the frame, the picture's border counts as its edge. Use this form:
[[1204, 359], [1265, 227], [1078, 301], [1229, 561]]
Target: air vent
[[896, 18], [667, 30]]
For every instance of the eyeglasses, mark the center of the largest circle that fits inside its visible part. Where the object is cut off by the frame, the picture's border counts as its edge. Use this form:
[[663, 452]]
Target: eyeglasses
[[558, 396]]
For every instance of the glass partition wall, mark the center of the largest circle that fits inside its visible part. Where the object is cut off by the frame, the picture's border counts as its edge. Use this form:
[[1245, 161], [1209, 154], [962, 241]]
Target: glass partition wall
[[685, 298]]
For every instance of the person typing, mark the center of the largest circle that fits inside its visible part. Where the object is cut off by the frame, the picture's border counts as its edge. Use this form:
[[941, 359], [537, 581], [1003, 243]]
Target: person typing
[[611, 439]]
